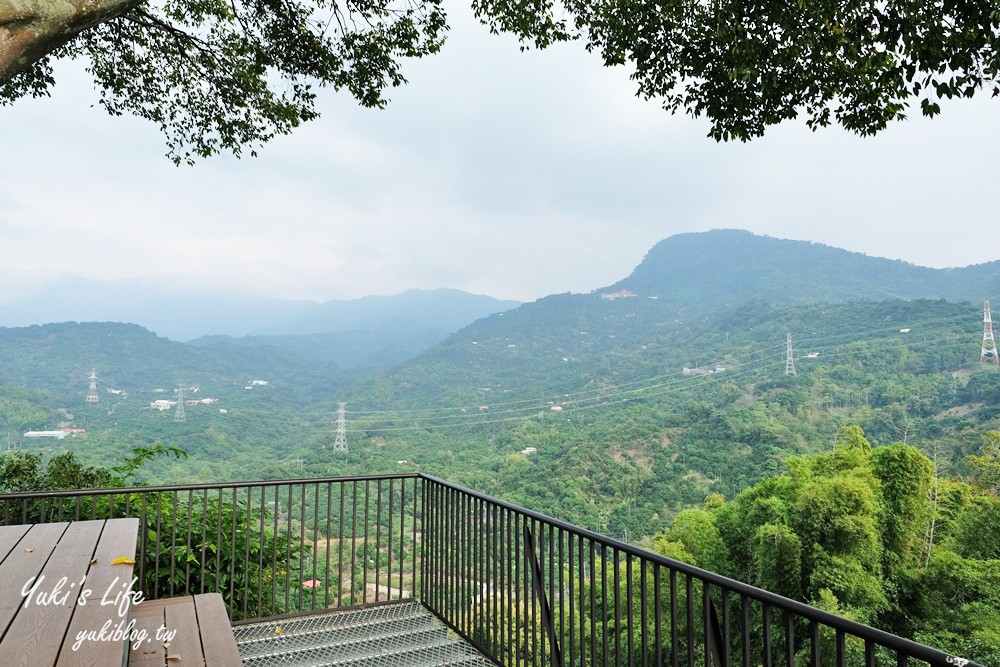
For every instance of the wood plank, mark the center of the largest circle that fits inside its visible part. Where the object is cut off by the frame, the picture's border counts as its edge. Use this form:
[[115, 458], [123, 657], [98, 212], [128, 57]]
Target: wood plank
[[36, 633], [148, 616], [10, 536], [216, 631], [105, 581], [186, 643], [203, 635], [22, 564]]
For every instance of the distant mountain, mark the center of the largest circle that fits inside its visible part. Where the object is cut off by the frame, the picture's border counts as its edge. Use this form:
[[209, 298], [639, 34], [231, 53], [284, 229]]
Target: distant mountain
[[374, 332], [171, 312], [187, 314], [694, 274]]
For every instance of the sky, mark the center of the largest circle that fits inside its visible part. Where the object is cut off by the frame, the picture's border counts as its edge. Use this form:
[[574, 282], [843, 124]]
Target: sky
[[495, 171]]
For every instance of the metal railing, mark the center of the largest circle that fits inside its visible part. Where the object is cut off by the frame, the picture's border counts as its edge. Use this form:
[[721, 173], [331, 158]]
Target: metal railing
[[524, 588], [270, 548], [527, 589]]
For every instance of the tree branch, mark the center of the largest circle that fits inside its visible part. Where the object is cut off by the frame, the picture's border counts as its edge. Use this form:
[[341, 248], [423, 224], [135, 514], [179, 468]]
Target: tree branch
[[26, 36]]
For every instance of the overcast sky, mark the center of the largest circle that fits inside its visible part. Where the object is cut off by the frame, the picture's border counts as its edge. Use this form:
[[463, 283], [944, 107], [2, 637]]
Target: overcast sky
[[494, 171]]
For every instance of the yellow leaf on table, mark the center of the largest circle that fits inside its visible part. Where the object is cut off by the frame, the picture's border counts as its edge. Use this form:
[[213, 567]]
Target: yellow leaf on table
[[175, 656], [123, 560]]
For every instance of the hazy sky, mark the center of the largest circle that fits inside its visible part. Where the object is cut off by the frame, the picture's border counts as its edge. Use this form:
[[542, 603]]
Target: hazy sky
[[494, 171]]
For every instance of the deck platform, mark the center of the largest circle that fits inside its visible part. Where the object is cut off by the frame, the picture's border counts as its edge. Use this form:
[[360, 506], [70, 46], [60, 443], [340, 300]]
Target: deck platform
[[403, 634]]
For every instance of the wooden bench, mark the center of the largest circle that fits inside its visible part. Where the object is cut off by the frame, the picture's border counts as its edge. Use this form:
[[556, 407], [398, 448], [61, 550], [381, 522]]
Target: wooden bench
[[50, 626], [202, 633]]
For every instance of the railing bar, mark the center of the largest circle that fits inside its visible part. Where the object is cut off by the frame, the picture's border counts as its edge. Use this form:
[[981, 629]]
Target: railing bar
[[288, 548], [767, 634], [448, 543], [605, 653], [482, 607], [232, 551], [315, 541], [273, 602], [630, 611], [366, 557], [727, 657], [76, 514], [745, 626], [520, 572], [143, 533], [159, 516], [581, 610], [187, 541], [689, 590], [413, 541], [869, 654], [435, 565], [204, 534], [354, 546], [466, 545], [789, 640], [570, 594], [507, 574], [657, 616], [489, 584], [461, 549], [840, 648], [814, 640], [593, 609], [173, 539], [615, 554], [674, 629], [445, 545], [244, 583], [218, 543], [326, 541], [388, 565], [533, 568], [562, 588], [706, 619]]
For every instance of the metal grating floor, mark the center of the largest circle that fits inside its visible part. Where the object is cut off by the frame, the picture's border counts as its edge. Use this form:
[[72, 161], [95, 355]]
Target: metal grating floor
[[396, 635]]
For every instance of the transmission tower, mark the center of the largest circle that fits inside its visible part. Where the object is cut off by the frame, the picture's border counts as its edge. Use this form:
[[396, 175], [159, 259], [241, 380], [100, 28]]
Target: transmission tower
[[989, 355], [179, 413], [92, 389], [789, 357], [340, 443]]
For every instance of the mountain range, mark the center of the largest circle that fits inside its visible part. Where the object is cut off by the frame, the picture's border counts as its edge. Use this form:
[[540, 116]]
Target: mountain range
[[681, 281]]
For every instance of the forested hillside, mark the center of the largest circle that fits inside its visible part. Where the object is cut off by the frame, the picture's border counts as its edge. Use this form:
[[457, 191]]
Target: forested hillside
[[624, 436]]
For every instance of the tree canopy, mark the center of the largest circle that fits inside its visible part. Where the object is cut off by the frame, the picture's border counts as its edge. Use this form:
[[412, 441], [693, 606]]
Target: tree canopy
[[220, 75]]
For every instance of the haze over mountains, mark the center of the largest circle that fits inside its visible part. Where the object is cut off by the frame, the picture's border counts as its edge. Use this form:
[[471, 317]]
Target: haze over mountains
[[185, 315], [681, 280]]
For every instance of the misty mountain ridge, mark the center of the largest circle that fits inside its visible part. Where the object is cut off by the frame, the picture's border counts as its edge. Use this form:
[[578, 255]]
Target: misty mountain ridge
[[184, 314]]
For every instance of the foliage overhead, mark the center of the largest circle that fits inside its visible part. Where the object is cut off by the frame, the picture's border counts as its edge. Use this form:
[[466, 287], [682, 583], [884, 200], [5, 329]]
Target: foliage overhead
[[220, 76]]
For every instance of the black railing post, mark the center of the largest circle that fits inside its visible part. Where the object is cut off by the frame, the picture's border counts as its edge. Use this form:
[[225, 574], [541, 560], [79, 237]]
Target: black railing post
[[548, 622]]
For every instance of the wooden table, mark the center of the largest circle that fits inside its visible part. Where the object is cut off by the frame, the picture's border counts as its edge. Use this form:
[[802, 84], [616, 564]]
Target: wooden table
[[42, 628]]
